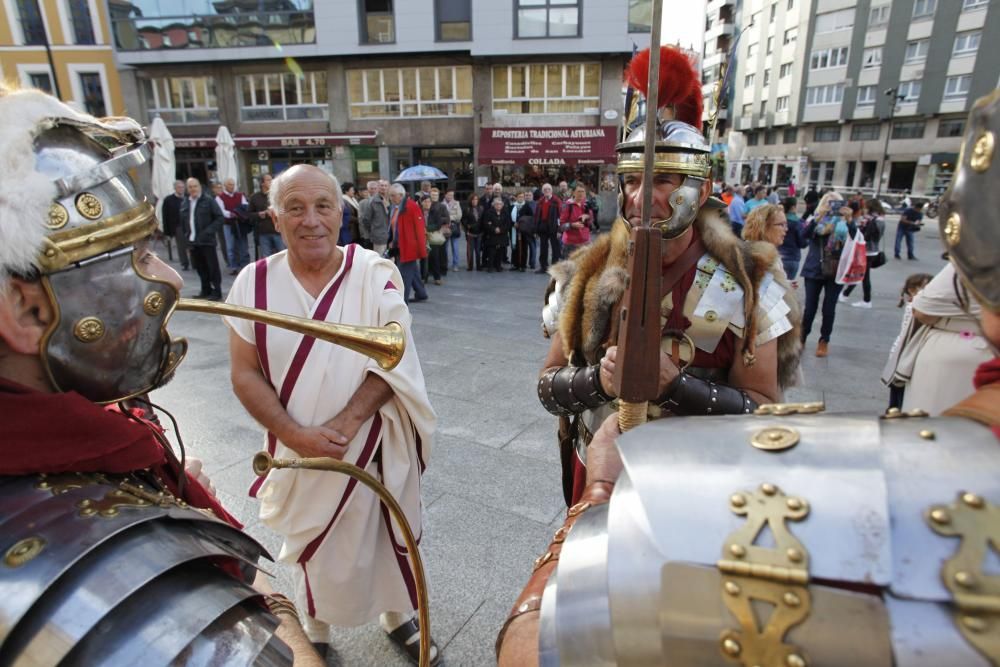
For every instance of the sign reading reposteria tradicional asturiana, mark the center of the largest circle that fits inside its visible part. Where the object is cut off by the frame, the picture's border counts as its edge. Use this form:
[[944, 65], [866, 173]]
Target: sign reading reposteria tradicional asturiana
[[547, 145]]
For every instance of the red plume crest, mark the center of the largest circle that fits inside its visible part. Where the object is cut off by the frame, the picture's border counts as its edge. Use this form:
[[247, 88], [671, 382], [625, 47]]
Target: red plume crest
[[680, 85]]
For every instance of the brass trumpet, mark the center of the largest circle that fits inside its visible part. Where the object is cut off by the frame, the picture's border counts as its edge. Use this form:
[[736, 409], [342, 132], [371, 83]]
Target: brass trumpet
[[264, 463], [383, 344]]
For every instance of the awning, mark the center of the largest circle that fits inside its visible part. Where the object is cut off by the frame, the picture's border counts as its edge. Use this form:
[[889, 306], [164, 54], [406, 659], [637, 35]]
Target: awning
[[547, 145], [304, 141]]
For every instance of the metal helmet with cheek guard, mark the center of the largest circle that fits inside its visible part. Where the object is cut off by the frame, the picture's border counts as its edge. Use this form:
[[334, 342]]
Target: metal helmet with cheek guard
[[680, 146], [969, 207], [108, 339]]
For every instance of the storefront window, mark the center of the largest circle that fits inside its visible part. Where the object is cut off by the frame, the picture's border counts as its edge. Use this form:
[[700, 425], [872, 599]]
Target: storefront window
[[180, 100], [283, 96], [547, 89], [424, 92]]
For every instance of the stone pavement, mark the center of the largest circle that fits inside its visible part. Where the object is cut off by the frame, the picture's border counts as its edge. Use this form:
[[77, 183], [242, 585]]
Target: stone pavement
[[492, 495]]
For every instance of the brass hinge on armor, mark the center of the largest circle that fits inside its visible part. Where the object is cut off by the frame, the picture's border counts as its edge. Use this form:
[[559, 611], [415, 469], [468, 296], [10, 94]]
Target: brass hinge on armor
[[777, 576], [976, 595], [571, 390], [690, 395]]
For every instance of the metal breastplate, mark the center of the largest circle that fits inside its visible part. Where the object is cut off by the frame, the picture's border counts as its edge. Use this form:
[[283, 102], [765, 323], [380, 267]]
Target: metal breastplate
[[103, 571], [831, 540]]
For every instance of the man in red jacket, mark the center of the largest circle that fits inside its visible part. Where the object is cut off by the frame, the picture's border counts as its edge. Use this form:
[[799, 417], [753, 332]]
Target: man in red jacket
[[407, 234]]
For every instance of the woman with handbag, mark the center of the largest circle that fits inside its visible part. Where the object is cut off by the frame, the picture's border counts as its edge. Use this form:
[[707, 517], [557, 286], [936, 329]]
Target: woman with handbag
[[873, 229], [827, 231], [473, 233], [436, 216], [575, 220]]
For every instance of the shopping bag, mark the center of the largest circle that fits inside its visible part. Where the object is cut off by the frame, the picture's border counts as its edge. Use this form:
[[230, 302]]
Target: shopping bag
[[853, 261]]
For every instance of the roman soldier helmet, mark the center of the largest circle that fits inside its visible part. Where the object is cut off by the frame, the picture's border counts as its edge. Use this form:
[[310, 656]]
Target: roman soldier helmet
[[680, 146], [73, 210], [968, 219]]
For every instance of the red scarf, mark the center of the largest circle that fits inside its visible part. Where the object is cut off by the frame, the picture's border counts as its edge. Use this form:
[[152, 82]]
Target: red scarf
[[56, 433]]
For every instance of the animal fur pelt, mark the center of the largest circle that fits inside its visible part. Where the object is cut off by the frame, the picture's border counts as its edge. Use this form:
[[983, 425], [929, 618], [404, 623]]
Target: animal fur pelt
[[592, 281]]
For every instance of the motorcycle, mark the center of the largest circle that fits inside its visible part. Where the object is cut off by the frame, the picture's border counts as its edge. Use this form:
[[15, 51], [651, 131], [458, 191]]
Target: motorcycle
[[930, 209]]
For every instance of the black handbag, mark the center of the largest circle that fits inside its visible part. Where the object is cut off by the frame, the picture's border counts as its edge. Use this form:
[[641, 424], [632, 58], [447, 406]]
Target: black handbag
[[876, 261]]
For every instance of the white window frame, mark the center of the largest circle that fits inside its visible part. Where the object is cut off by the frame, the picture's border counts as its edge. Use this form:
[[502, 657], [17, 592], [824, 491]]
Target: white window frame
[[866, 96], [916, 46], [791, 35], [966, 37], [875, 16], [926, 8], [75, 70], [156, 105], [767, 77], [953, 89], [748, 110], [833, 57], [749, 80], [971, 5], [752, 49], [781, 104], [579, 97], [299, 85], [785, 70], [25, 70], [871, 57], [908, 86], [770, 45], [829, 95], [15, 23], [836, 26], [66, 21]]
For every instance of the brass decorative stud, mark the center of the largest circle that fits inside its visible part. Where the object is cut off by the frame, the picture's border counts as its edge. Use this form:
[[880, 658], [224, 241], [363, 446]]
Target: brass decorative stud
[[775, 439], [768, 489], [153, 303], [89, 329], [917, 412], [972, 500], [793, 504], [23, 551], [731, 647], [982, 152], [89, 206], [941, 517], [965, 579], [738, 500], [893, 411], [711, 316], [974, 624], [927, 434], [732, 588], [791, 599], [737, 550], [953, 229], [794, 555], [58, 216], [795, 660], [50, 252]]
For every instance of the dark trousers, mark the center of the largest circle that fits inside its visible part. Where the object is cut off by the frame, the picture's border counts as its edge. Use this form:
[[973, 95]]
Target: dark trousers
[[473, 251], [411, 280], [866, 283], [896, 396], [437, 261], [904, 232], [205, 260], [791, 267], [182, 249], [830, 290], [548, 241], [495, 254], [524, 253]]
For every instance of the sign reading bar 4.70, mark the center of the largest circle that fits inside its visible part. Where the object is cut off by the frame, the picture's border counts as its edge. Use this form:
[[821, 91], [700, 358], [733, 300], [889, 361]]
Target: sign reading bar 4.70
[[544, 146]]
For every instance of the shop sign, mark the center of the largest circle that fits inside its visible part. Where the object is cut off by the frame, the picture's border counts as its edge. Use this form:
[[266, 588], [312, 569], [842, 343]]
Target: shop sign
[[304, 141], [194, 142], [544, 146]]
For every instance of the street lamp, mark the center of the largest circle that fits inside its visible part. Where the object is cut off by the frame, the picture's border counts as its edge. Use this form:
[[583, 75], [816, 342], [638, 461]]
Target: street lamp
[[896, 99]]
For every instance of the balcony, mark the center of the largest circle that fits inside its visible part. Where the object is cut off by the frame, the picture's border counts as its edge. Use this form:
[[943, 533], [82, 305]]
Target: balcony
[[714, 6], [744, 123], [718, 29], [713, 59], [263, 28]]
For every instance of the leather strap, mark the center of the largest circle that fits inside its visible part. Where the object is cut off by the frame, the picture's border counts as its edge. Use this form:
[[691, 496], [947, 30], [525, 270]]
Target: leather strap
[[983, 406], [680, 267]]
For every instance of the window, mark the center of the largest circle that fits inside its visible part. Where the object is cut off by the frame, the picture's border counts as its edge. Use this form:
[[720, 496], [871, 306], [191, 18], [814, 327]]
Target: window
[[871, 57], [754, 18], [924, 8], [827, 58], [909, 129], [791, 35], [967, 43], [770, 45], [879, 15], [791, 135], [763, 107], [542, 89], [770, 137], [832, 21], [378, 25], [454, 20], [791, 5], [916, 51], [30, 19], [747, 109], [748, 80], [767, 77], [774, 11], [957, 87], [752, 139], [866, 96], [410, 92], [974, 4], [865, 131], [786, 70], [909, 91], [41, 81], [283, 96], [93, 94], [752, 50], [826, 133], [781, 104], [83, 28], [951, 127], [640, 15], [181, 100], [547, 18], [820, 95]]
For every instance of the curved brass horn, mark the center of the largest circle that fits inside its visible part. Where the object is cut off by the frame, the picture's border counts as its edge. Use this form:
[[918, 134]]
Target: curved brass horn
[[263, 463], [383, 344]]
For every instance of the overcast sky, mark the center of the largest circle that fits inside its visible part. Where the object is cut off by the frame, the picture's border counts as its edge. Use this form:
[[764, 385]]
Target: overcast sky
[[684, 20]]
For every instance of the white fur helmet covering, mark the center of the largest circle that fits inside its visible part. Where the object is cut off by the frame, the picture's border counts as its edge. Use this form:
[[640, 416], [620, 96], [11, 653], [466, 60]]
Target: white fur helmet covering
[[26, 194]]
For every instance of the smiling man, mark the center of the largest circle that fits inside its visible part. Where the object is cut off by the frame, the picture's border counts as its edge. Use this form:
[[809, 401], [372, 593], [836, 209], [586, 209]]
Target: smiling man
[[318, 399]]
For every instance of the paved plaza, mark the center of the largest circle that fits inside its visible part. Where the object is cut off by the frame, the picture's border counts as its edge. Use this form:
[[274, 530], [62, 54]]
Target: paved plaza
[[492, 495]]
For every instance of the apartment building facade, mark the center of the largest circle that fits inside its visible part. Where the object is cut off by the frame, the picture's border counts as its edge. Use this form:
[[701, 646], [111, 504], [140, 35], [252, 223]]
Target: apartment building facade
[[62, 47], [516, 90], [856, 94]]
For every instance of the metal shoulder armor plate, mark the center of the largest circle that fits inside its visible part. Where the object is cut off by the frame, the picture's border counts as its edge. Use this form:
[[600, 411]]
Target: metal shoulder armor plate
[[95, 572], [787, 541]]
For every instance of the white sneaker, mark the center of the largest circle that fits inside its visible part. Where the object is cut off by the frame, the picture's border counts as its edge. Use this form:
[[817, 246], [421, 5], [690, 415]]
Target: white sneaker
[[862, 304], [843, 299]]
